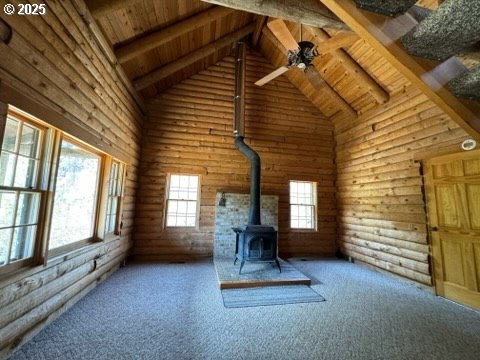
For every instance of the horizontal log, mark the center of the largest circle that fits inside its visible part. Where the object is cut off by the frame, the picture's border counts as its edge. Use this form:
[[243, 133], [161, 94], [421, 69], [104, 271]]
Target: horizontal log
[[390, 267]]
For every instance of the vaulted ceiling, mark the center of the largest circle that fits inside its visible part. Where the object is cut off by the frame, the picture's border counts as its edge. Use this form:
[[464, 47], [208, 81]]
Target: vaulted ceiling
[[160, 43]]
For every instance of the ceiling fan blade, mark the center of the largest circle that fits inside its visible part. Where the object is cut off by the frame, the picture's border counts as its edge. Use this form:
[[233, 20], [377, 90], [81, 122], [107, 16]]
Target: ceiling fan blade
[[281, 32], [272, 75], [314, 77]]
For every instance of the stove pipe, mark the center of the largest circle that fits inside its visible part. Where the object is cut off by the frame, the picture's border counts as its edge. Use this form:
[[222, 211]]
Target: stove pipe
[[238, 133]]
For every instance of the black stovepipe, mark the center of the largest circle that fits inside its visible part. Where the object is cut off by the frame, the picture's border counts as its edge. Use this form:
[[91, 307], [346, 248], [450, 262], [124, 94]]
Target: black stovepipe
[[254, 159]]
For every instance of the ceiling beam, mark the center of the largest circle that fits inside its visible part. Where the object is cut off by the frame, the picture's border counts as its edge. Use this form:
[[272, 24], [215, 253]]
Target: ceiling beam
[[309, 12], [100, 8], [350, 65], [156, 39], [324, 89], [257, 33], [338, 41], [186, 60], [371, 28]]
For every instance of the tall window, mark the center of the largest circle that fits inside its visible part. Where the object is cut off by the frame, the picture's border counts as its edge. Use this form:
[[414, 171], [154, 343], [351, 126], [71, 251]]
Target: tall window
[[302, 205], [115, 186], [19, 192], [53, 190], [182, 200], [75, 201]]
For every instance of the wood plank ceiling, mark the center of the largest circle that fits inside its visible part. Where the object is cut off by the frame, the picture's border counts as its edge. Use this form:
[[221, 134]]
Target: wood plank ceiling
[[161, 43], [153, 27]]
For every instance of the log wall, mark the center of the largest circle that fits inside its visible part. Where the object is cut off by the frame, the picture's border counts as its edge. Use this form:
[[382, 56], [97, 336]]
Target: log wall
[[56, 68], [189, 130], [381, 207]]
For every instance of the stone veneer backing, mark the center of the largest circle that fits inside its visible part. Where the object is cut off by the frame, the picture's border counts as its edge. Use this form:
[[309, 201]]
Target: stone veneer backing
[[235, 213]]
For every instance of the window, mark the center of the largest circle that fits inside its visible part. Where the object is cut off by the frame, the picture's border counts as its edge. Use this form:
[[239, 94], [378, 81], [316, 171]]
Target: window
[[53, 190], [182, 199], [19, 193], [302, 205], [74, 204], [114, 194]]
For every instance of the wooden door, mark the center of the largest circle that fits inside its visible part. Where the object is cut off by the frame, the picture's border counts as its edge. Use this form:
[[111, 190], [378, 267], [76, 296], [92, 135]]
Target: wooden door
[[453, 203]]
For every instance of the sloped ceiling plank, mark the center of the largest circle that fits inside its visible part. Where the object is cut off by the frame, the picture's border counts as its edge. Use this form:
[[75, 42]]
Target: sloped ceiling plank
[[102, 7], [371, 28], [309, 12], [5, 32], [365, 80], [164, 71], [303, 85], [151, 41]]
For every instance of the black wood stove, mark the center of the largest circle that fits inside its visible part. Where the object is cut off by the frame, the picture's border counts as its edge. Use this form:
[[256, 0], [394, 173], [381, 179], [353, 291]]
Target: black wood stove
[[254, 242]]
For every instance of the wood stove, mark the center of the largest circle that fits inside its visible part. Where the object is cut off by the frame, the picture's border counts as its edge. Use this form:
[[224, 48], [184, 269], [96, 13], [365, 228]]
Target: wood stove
[[254, 242]]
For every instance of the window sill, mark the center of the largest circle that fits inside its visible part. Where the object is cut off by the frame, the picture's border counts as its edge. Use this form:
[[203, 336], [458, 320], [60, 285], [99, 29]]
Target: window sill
[[180, 228], [303, 230]]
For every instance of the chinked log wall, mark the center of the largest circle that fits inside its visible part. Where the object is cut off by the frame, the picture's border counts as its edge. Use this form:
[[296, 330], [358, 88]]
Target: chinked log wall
[[189, 130], [54, 69], [382, 219]]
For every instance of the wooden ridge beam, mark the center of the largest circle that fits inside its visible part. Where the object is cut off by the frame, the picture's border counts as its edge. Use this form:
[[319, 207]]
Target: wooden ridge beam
[[176, 65], [100, 8], [371, 28], [309, 12], [151, 41], [325, 89], [325, 42]]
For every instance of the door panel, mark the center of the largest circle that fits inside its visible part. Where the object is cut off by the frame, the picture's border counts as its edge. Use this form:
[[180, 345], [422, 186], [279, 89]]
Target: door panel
[[471, 167], [447, 206], [452, 256], [473, 196], [452, 186]]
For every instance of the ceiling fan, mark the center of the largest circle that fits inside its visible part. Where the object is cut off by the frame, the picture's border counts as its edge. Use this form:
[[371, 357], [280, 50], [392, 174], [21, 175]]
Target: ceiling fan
[[300, 55]]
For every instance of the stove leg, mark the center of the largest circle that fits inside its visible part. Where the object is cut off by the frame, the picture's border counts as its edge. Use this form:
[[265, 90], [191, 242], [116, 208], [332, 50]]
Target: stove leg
[[235, 261], [278, 264], [241, 266]]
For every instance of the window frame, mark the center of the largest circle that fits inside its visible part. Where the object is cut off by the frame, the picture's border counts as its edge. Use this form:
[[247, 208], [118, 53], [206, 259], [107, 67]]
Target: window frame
[[167, 198], [98, 194], [102, 232], [49, 143], [314, 207], [39, 186]]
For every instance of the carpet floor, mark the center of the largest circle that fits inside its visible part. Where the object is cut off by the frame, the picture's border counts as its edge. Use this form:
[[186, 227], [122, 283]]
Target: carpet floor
[[175, 311]]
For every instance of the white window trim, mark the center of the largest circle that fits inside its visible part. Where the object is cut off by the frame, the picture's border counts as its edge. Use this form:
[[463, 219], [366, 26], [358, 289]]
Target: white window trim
[[49, 155], [315, 207], [197, 212]]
